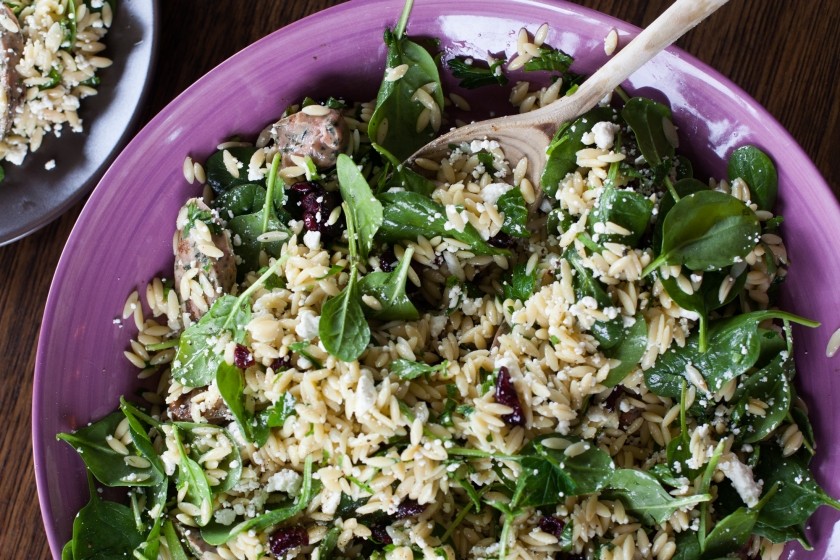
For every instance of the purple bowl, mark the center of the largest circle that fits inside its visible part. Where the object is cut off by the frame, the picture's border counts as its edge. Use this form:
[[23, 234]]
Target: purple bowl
[[123, 236]]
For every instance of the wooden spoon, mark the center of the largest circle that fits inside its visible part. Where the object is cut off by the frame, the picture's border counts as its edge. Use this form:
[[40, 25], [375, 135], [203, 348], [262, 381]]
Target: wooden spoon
[[529, 134]]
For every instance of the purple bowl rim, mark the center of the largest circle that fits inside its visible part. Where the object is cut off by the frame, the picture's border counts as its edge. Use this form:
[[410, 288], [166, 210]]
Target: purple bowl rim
[[88, 210]]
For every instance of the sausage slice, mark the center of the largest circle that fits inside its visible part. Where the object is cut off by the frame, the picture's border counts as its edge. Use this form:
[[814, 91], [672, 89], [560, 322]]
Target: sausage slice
[[11, 91], [179, 410], [321, 138]]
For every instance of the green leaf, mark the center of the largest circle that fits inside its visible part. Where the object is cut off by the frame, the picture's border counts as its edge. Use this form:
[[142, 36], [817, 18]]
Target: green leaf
[[141, 439], [231, 464], [107, 465], [68, 26], [608, 333], [206, 216], [343, 329], [232, 389], [217, 174], [302, 348], [249, 227], [104, 530], [520, 286], [327, 546], [684, 169], [67, 551], [239, 201], [394, 102], [799, 495], [629, 352], [403, 177], [552, 60], [733, 531], [191, 476], [408, 214], [687, 546], [473, 76], [513, 206], [757, 170], [389, 289], [770, 385], [678, 450], [176, 550], [707, 230], [405, 369], [216, 534], [784, 534], [274, 417], [366, 209], [628, 209], [562, 152], [683, 187], [646, 117], [645, 498]]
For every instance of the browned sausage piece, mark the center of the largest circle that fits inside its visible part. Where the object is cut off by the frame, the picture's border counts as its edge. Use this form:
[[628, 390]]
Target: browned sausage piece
[[218, 268], [197, 546], [179, 410], [11, 92], [321, 138]]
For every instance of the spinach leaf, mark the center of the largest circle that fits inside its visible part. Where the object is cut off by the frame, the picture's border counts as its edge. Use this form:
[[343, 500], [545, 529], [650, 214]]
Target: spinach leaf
[[176, 550], [784, 534], [757, 170], [734, 346], [328, 544], [678, 450], [389, 289], [629, 352], [403, 177], [302, 348], [705, 483], [141, 439], [520, 285], [343, 330], [552, 60], [707, 230], [218, 177], [394, 102], [799, 495], [231, 463], [562, 152], [733, 531], [608, 333], [646, 118], [628, 209], [239, 201], [684, 169], [772, 386], [551, 475], [104, 530], [408, 214], [801, 418], [68, 26], [643, 496], [405, 369], [249, 227], [109, 466], [192, 477], [512, 205], [366, 209], [67, 551], [683, 188], [216, 534], [232, 389], [274, 417], [688, 548], [473, 76]]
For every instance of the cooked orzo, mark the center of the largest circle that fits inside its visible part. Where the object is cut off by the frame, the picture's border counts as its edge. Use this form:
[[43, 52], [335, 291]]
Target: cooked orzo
[[361, 360]]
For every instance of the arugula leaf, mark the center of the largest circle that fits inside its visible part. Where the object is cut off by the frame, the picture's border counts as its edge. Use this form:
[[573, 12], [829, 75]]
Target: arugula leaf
[[218, 177], [562, 152], [520, 286], [629, 352], [626, 208], [191, 476], [408, 214], [646, 118], [103, 530], [405, 369], [707, 230], [799, 495], [403, 177], [394, 103], [512, 205], [608, 333], [734, 346], [389, 289], [366, 209], [643, 496], [473, 76], [343, 330], [772, 386], [757, 170], [110, 467], [274, 417], [216, 534], [552, 60]]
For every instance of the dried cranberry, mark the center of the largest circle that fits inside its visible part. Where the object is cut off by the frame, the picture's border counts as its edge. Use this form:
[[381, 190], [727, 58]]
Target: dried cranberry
[[242, 357], [612, 400], [311, 203], [380, 534], [506, 394], [627, 418], [388, 261], [305, 187], [502, 240], [287, 538], [317, 207], [551, 525], [409, 508], [279, 364]]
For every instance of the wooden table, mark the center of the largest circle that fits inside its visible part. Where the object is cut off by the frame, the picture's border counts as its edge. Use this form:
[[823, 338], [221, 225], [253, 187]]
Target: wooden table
[[784, 54]]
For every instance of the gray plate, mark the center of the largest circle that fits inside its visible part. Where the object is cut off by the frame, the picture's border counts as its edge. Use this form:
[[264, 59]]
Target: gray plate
[[30, 196]]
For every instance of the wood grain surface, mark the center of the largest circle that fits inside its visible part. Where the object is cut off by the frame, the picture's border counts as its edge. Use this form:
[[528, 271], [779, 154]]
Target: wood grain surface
[[785, 54]]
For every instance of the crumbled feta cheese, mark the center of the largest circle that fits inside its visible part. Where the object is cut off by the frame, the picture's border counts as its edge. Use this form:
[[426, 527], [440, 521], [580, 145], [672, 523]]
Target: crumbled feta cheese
[[742, 479], [491, 193], [287, 481], [604, 133], [225, 516], [50, 165], [307, 328], [312, 239], [365, 395]]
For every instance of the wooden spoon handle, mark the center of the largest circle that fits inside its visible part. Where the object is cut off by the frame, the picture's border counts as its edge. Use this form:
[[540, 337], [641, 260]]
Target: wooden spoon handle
[[667, 28]]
